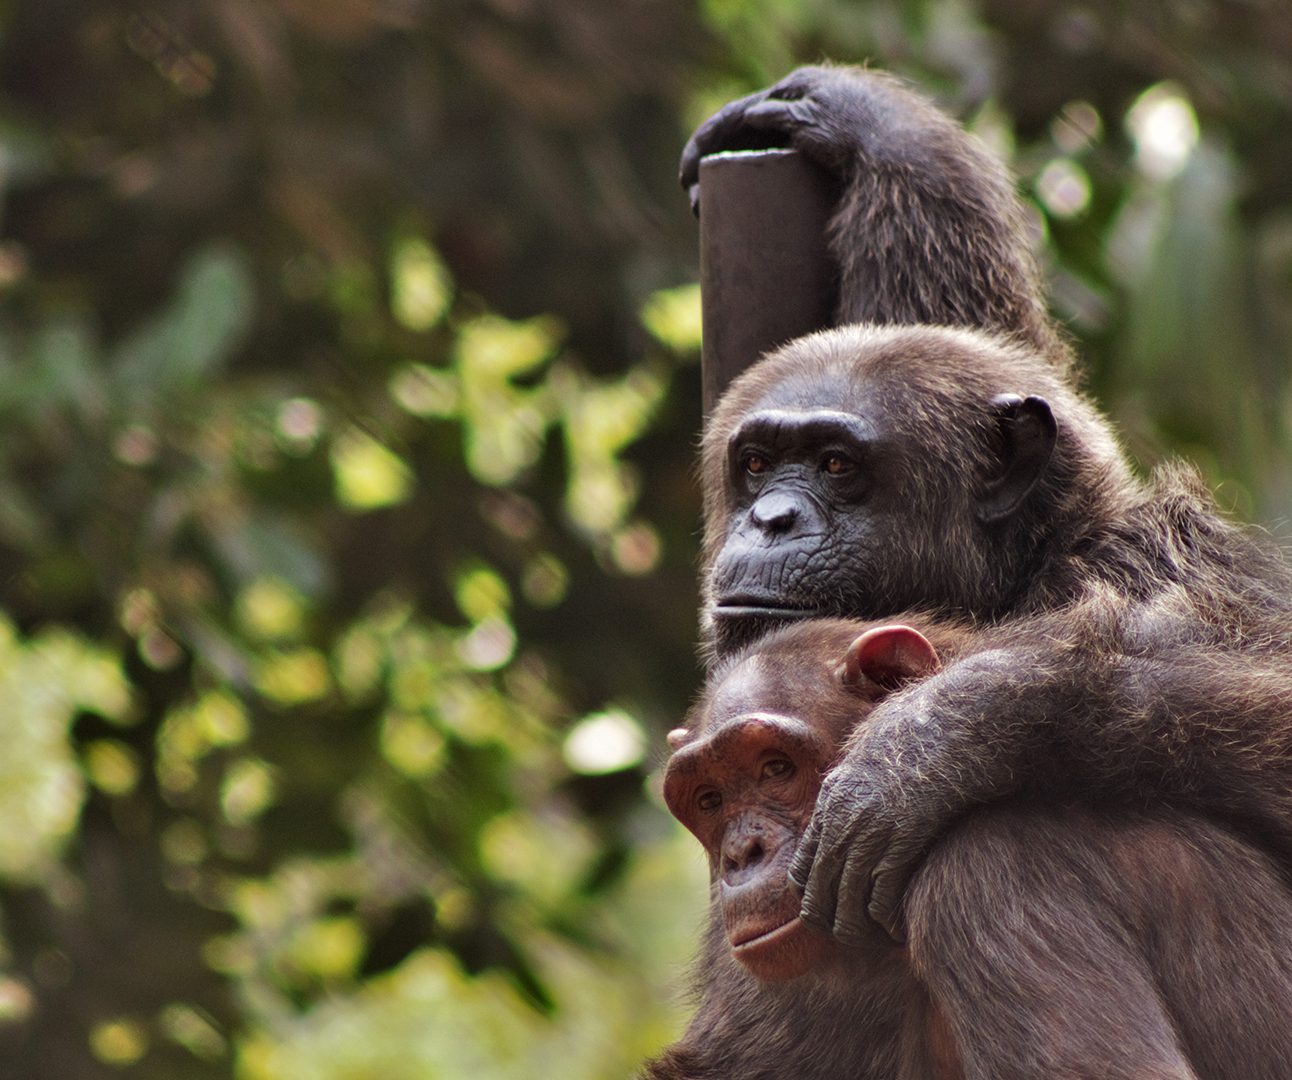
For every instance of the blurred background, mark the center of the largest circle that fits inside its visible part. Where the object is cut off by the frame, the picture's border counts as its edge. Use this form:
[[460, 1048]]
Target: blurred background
[[348, 395]]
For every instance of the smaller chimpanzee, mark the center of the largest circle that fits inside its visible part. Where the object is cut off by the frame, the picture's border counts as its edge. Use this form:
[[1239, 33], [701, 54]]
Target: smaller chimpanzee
[[1117, 946]]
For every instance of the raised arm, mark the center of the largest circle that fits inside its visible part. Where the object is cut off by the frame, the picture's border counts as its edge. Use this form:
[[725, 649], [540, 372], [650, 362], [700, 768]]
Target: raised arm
[[928, 228]]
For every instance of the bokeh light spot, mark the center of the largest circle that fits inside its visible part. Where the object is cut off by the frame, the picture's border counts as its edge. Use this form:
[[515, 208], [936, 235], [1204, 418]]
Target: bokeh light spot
[[422, 288], [1064, 188], [119, 1042], [368, 476], [1165, 129], [605, 742]]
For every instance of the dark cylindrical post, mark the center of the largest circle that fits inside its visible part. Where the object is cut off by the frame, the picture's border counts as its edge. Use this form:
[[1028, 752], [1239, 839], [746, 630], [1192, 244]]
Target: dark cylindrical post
[[765, 273]]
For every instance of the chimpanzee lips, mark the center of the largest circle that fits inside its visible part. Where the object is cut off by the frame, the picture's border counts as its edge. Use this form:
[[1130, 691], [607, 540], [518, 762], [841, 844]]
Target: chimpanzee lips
[[778, 945], [757, 936], [751, 606]]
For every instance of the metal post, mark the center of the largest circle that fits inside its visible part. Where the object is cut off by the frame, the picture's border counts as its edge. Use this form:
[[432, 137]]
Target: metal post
[[765, 273]]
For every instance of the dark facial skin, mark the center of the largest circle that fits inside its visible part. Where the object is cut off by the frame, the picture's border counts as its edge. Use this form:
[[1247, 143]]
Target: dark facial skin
[[796, 477], [828, 486]]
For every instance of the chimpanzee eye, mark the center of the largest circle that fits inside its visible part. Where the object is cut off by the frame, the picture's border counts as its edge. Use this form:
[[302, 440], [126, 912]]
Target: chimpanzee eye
[[777, 768], [836, 464], [755, 464], [709, 800]]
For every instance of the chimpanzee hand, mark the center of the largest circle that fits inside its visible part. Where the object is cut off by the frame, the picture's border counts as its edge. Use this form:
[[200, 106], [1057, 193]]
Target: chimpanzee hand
[[864, 842], [825, 112], [922, 760]]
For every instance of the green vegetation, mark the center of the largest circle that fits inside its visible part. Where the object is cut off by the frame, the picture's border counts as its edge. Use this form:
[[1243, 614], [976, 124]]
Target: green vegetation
[[348, 393]]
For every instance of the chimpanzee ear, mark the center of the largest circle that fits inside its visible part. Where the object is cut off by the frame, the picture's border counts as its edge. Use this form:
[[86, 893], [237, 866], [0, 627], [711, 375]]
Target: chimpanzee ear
[[888, 656], [1027, 431]]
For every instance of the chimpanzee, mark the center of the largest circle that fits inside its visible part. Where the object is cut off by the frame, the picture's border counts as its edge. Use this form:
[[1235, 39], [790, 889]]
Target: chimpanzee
[[1116, 946], [956, 469]]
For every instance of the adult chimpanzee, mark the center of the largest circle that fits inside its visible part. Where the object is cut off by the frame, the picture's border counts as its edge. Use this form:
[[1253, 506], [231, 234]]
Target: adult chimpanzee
[[1116, 947], [867, 470]]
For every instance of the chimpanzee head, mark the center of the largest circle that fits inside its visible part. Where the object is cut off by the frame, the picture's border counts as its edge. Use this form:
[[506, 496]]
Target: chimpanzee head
[[864, 471], [745, 772]]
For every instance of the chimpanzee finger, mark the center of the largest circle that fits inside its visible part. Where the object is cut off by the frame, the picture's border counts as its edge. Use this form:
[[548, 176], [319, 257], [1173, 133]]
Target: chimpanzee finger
[[780, 116], [724, 130], [850, 916], [819, 903], [820, 898], [889, 880], [805, 854]]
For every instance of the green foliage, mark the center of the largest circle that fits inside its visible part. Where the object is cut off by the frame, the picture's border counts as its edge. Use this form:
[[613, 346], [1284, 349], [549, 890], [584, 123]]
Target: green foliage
[[347, 406], [321, 773], [44, 684]]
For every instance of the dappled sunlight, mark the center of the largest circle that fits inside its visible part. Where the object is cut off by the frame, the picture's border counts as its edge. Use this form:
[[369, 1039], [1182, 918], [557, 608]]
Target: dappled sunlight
[[605, 742], [421, 288], [1064, 188], [368, 475], [673, 316], [1165, 129], [44, 683]]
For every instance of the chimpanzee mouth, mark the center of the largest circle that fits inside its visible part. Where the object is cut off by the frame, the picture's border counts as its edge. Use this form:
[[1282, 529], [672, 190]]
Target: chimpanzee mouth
[[760, 938], [753, 607]]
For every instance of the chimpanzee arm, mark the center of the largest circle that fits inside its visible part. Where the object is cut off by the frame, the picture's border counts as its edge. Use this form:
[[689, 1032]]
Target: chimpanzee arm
[[1201, 726], [928, 227]]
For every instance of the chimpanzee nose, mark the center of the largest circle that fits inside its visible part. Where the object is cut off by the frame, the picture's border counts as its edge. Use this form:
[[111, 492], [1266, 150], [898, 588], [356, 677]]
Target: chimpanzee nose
[[775, 512], [740, 855]]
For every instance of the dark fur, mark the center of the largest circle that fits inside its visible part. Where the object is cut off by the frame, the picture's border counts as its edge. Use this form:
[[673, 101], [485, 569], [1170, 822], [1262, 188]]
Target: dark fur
[[1113, 947], [928, 230], [1149, 645]]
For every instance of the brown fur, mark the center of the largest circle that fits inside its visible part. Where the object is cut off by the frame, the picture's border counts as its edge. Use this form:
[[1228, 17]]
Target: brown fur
[[1145, 651], [1044, 941]]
